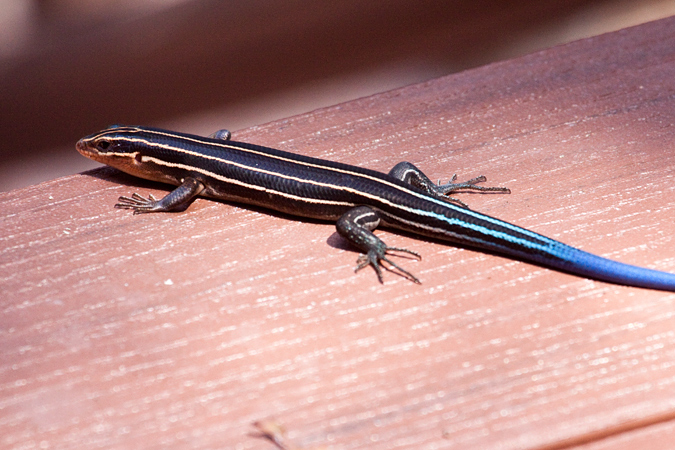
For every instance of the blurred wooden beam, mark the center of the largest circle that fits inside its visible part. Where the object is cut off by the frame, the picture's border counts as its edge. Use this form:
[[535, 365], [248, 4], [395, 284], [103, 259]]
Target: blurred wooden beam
[[208, 53]]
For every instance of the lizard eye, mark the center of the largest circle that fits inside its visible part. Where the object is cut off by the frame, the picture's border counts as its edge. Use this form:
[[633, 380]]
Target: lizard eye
[[103, 145]]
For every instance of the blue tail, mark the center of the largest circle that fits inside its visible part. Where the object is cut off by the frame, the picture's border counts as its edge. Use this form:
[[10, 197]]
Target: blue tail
[[579, 262]]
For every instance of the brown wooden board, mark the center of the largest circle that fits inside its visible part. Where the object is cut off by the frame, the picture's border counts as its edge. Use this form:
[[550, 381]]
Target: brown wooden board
[[181, 330]]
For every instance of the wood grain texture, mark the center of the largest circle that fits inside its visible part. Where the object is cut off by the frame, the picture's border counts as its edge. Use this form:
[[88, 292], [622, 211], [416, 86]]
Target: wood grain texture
[[180, 330]]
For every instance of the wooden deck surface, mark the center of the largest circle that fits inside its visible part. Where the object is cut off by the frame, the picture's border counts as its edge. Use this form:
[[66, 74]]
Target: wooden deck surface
[[179, 331]]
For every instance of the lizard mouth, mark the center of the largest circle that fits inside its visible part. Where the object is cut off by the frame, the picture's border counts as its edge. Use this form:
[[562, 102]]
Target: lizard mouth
[[82, 147], [87, 149]]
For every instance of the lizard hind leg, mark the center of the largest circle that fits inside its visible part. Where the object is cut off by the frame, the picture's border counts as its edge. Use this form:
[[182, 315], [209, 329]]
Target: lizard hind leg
[[408, 173], [356, 226]]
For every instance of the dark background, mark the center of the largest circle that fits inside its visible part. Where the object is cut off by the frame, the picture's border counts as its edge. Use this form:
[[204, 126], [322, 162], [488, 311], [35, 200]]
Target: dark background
[[69, 68]]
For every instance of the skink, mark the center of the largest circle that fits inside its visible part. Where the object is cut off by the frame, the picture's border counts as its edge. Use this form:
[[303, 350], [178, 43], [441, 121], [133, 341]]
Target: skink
[[357, 199]]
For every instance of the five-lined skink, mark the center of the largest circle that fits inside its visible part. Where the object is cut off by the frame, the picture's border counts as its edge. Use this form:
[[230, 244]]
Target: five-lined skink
[[357, 199]]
